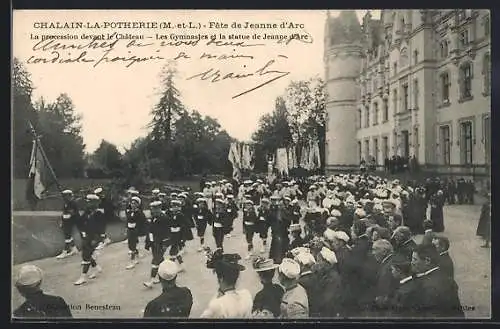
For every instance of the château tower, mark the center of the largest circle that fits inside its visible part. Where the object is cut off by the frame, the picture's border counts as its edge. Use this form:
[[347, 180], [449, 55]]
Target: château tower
[[343, 53]]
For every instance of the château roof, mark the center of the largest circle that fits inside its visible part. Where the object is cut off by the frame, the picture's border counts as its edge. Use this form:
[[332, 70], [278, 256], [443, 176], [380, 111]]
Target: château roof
[[344, 29]]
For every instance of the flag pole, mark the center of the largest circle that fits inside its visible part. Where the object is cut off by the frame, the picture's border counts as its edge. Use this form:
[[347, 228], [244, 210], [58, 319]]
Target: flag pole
[[42, 151]]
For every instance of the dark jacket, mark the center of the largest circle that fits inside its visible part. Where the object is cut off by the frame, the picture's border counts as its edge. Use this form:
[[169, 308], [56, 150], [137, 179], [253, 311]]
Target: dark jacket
[[386, 285], [175, 302], [329, 296], [446, 264], [310, 283], [269, 298], [406, 249], [40, 305], [404, 300], [438, 296]]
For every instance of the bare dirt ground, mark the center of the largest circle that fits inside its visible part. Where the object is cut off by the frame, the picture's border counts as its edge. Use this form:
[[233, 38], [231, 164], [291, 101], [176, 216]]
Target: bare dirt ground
[[123, 288]]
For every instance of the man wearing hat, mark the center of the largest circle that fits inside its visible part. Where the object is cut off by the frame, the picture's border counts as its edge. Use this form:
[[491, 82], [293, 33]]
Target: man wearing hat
[[37, 304], [294, 304], [403, 303], [154, 194], [296, 239], [90, 228], [232, 214], [219, 219], [329, 286], [266, 303], [308, 279], [402, 241], [202, 216], [107, 209], [263, 222], [174, 301], [69, 218], [176, 221], [337, 242], [135, 224], [157, 239], [249, 225]]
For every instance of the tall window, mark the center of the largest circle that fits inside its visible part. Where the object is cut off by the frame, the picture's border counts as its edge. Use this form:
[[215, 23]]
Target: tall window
[[395, 143], [367, 150], [405, 97], [487, 73], [375, 113], [486, 23], [395, 68], [415, 57], [463, 39], [385, 147], [487, 136], [375, 149], [415, 94], [444, 132], [386, 110], [445, 87], [395, 100], [367, 117], [360, 119], [466, 80], [444, 49], [416, 142], [466, 142], [360, 152]]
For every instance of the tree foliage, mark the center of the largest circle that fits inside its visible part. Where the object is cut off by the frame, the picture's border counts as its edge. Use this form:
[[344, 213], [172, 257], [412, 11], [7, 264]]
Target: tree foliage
[[60, 128], [107, 159], [181, 142], [57, 123], [299, 116]]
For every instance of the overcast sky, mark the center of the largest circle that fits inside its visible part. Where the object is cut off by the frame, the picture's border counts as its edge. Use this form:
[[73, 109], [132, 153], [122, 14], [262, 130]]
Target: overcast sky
[[115, 101]]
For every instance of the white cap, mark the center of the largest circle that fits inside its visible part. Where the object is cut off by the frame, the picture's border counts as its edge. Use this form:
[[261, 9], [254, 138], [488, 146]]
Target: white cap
[[154, 203], [336, 213], [92, 197], [156, 191], [360, 212], [98, 190], [136, 199], [336, 202], [29, 275], [341, 235], [378, 206], [134, 192], [67, 192], [328, 255], [289, 268], [329, 234], [305, 259], [168, 270]]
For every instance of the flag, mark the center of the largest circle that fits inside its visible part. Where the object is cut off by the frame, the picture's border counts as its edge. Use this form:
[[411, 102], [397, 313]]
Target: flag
[[233, 157], [39, 175]]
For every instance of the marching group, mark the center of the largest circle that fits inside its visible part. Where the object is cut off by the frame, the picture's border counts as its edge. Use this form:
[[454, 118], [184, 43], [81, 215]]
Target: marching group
[[341, 246]]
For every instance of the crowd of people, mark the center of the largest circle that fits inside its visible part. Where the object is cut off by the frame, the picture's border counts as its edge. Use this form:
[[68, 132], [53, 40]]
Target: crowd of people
[[323, 247]]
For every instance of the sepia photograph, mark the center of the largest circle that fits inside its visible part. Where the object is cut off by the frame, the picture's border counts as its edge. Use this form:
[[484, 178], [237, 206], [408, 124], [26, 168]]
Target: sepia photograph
[[251, 164]]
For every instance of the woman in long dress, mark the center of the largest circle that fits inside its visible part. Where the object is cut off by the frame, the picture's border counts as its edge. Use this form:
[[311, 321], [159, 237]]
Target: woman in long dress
[[484, 225]]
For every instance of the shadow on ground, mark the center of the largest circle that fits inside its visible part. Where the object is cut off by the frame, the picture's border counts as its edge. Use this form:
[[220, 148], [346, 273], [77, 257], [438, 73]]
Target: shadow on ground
[[35, 237]]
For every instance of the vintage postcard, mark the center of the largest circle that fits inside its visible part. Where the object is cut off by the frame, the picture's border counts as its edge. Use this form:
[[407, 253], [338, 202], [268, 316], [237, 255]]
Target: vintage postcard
[[251, 164]]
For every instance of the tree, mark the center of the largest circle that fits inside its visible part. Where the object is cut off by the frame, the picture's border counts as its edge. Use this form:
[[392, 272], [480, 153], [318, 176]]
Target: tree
[[108, 158], [169, 107], [22, 112], [60, 128]]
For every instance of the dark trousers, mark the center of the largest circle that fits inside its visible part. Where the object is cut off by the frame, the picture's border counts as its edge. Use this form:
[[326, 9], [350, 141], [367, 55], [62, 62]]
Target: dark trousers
[[218, 233], [67, 227], [263, 229], [132, 239], [249, 233], [176, 244], [157, 251], [201, 227], [88, 247]]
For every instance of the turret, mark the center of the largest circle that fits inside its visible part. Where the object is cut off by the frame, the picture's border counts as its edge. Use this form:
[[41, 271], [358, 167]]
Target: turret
[[343, 52]]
